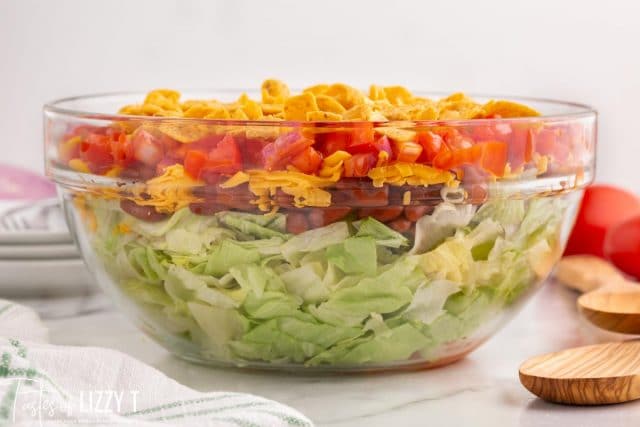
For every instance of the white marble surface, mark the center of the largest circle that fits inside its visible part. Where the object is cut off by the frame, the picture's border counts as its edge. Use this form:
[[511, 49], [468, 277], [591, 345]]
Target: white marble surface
[[482, 390]]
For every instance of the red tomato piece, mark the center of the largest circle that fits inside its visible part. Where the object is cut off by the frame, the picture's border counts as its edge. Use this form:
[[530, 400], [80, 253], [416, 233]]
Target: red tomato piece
[[520, 146], [553, 142], [490, 156], [277, 154], [432, 144], [359, 165], [602, 207], [251, 150], [362, 147], [408, 151], [146, 148], [194, 161], [122, 150], [95, 150], [483, 133], [225, 158], [622, 246], [330, 142], [493, 157], [207, 143], [308, 161], [356, 138], [362, 133], [383, 144], [453, 138]]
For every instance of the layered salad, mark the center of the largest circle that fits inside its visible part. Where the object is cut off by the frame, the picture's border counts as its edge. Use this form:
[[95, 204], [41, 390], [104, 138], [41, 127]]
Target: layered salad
[[329, 227]]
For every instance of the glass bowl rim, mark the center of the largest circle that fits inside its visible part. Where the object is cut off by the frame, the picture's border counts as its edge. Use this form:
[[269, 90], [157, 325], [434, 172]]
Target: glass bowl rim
[[581, 111]]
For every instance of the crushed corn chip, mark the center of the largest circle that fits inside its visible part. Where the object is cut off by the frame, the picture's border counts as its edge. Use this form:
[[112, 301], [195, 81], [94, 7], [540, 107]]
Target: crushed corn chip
[[329, 104], [324, 102], [507, 109], [274, 92], [376, 93], [184, 132], [357, 112], [317, 89], [239, 115], [297, 107], [272, 108], [345, 95], [398, 95], [318, 116], [397, 134]]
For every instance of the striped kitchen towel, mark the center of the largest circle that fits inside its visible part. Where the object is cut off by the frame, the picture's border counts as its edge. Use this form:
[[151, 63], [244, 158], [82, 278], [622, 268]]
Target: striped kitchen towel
[[48, 385]]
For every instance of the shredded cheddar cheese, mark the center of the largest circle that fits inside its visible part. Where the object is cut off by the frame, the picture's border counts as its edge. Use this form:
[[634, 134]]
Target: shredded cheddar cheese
[[412, 174], [167, 192], [305, 189]]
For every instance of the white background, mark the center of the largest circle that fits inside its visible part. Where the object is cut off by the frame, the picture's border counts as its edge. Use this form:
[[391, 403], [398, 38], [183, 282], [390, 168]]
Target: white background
[[576, 50]]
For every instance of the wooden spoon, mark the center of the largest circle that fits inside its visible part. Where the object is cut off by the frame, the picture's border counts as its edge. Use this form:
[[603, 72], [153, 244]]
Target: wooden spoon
[[611, 302], [615, 307], [592, 375], [596, 374]]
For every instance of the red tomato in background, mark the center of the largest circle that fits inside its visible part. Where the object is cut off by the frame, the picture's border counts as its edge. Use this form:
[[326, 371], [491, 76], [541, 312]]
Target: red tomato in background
[[622, 246], [602, 207]]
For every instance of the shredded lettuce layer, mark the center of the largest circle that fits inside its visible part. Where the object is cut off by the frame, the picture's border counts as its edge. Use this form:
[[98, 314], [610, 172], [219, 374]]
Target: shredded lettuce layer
[[239, 289]]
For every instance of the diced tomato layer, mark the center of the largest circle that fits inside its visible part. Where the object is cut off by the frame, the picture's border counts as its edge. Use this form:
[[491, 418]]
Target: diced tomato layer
[[490, 156], [383, 144], [225, 158], [95, 150], [122, 151], [276, 155], [520, 146], [453, 138], [357, 139], [554, 142], [308, 161], [432, 144], [407, 151], [331, 142], [194, 161], [146, 148], [359, 165]]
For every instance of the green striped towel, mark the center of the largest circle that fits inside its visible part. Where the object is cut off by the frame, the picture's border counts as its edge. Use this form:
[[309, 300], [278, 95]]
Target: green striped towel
[[49, 385]]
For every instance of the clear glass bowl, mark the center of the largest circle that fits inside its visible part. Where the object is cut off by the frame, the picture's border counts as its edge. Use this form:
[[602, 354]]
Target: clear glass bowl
[[407, 267]]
